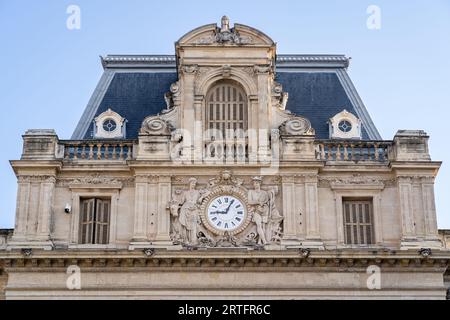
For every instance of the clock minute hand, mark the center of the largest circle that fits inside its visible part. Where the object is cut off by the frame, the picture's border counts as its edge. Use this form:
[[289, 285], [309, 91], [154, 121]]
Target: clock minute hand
[[229, 206]]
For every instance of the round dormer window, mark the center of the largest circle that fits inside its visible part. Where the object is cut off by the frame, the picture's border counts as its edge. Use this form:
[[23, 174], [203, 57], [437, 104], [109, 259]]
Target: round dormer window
[[109, 125], [345, 126]]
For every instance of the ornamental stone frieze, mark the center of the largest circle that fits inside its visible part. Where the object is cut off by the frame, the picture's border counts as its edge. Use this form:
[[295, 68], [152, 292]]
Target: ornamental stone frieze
[[95, 180], [225, 213], [355, 179], [36, 178]]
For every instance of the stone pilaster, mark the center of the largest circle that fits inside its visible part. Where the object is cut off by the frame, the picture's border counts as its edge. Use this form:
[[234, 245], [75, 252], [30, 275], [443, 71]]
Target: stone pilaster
[[406, 210], [47, 190], [262, 74], [198, 128], [163, 217], [188, 113], [313, 238], [140, 213], [33, 212], [290, 209]]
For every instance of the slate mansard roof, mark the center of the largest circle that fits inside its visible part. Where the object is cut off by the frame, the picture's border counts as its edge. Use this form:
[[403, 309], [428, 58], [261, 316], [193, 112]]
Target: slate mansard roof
[[134, 86]]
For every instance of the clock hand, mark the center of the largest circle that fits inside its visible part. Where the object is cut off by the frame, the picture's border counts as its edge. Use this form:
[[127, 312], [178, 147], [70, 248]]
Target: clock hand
[[218, 212], [229, 206]]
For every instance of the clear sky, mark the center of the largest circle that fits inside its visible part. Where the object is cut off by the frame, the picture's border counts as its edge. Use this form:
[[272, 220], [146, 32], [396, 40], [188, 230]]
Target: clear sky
[[48, 72]]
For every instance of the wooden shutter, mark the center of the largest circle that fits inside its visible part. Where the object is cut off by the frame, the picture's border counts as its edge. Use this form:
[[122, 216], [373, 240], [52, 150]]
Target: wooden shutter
[[358, 221], [94, 221], [87, 220], [102, 221]]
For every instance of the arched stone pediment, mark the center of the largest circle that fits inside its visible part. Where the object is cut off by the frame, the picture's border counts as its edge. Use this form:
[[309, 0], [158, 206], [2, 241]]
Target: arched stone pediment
[[211, 34]]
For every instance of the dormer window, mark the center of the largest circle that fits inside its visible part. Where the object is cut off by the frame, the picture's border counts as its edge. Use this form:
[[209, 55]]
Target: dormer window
[[345, 125], [109, 125]]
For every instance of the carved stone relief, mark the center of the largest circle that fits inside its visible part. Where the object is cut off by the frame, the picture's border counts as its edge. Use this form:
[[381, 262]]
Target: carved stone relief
[[189, 222], [95, 179], [355, 179], [225, 35]]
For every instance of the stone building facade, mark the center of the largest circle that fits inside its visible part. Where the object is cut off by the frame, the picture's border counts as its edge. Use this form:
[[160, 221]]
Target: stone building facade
[[226, 170]]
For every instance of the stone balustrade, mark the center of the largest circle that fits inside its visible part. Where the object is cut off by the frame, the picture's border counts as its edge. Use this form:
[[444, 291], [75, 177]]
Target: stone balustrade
[[340, 150], [97, 150], [226, 150]]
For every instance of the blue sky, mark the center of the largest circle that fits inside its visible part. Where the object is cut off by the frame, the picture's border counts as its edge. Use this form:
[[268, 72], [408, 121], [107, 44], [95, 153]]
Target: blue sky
[[49, 72]]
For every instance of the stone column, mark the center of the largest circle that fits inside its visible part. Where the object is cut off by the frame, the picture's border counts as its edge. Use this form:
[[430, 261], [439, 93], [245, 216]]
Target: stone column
[[313, 238]]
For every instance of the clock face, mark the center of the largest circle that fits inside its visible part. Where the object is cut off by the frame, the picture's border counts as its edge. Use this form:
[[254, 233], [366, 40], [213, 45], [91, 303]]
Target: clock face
[[226, 213]]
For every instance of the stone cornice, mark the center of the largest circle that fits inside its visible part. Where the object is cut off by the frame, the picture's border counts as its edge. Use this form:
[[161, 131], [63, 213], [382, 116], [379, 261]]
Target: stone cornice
[[169, 61], [217, 259]]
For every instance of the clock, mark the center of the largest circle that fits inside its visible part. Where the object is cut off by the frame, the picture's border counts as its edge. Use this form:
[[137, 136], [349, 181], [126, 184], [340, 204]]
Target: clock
[[226, 213]]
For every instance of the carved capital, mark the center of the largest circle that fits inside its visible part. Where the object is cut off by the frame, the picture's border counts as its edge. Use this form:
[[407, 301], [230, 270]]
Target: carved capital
[[262, 69], [190, 69]]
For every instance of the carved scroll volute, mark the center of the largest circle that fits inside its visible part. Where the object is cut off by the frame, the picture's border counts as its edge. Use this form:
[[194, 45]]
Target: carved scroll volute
[[156, 126], [297, 126]]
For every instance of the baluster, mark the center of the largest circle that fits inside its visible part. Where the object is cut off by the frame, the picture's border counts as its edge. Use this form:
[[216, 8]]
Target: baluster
[[99, 151], [83, 150], [130, 151], [121, 152], [114, 155], [106, 151], [322, 151], [91, 151]]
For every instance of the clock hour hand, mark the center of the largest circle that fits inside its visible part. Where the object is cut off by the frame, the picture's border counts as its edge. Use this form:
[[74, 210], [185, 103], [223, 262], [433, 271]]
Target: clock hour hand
[[218, 212]]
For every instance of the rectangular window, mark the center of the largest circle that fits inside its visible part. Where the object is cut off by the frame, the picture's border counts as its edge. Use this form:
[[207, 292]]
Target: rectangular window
[[358, 221], [94, 221]]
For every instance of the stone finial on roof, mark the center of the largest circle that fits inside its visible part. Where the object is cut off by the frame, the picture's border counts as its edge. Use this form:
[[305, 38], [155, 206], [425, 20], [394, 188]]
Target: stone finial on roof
[[225, 27]]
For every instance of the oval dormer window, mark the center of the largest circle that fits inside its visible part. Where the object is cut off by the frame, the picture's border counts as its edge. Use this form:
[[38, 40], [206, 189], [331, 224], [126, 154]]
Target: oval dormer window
[[345, 126], [109, 125]]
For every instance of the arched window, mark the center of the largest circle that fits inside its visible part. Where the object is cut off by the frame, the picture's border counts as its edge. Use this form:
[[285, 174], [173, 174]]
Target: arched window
[[226, 109]]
